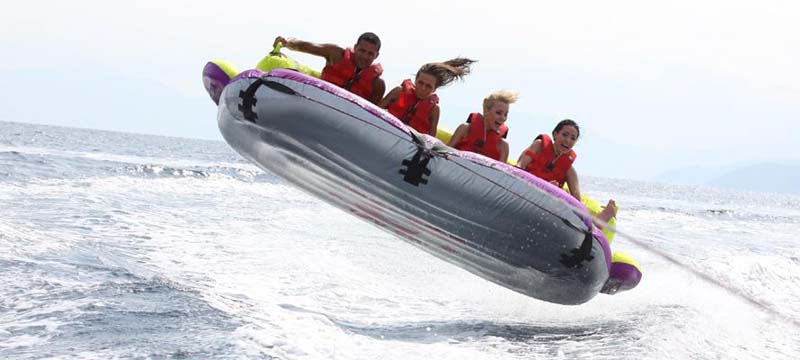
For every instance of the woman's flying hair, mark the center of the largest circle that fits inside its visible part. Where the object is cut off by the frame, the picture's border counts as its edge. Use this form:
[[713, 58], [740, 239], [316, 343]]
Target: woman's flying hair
[[448, 71], [505, 96]]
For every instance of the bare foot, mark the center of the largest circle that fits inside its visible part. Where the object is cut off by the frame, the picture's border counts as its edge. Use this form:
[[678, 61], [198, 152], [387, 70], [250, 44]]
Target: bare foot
[[609, 211], [604, 216]]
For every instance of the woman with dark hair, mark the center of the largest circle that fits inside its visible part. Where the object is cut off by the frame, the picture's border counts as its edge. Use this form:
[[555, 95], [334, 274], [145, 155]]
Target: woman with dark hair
[[415, 103], [551, 159]]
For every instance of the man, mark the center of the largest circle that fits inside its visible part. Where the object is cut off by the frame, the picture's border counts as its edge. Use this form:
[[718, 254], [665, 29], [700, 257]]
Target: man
[[350, 69]]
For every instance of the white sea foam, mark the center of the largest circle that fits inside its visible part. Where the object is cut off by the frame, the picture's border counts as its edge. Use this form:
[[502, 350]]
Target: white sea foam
[[101, 264]]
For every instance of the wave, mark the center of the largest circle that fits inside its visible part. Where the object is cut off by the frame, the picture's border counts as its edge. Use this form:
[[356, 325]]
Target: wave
[[741, 213], [29, 164], [162, 171], [86, 299]]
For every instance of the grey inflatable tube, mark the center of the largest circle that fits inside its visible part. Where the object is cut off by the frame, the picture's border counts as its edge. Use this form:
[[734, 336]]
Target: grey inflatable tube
[[489, 218]]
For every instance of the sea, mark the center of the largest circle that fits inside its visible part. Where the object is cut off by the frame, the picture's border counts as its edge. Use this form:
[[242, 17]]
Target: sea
[[127, 246]]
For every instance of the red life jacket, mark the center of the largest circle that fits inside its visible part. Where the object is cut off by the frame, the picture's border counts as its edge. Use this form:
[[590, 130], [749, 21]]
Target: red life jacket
[[344, 75], [544, 164], [411, 110], [480, 141]]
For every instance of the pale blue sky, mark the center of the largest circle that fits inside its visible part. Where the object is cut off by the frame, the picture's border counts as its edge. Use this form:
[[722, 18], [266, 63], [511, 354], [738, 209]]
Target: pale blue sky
[[655, 85]]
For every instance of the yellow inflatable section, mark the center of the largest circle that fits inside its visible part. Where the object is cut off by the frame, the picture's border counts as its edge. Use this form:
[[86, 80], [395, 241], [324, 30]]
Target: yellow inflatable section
[[621, 257], [227, 67], [278, 60]]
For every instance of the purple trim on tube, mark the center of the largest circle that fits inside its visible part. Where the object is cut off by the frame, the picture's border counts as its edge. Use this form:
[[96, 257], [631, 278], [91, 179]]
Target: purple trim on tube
[[601, 239], [627, 275], [342, 93], [247, 74], [533, 179], [214, 80]]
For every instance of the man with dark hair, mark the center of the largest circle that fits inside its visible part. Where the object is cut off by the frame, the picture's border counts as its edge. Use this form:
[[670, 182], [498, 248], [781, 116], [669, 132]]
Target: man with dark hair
[[350, 69]]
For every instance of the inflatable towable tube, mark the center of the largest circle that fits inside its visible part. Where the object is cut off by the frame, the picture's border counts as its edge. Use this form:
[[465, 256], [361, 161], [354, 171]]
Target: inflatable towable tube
[[218, 73], [490, 218], [625, 271]]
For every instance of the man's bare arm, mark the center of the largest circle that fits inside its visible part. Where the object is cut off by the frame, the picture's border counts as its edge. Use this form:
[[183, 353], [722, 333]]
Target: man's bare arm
[[331, 52]]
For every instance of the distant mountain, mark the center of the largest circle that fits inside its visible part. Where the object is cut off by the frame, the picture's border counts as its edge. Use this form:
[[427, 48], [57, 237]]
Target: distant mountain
[[767, 177], [692, 175], [763, 177]]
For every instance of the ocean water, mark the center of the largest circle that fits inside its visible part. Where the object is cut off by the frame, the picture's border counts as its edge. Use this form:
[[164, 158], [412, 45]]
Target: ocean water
[[117, 245]]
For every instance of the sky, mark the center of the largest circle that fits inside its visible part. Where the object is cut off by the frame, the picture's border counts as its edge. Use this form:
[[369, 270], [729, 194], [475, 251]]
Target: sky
[[655, 86]]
